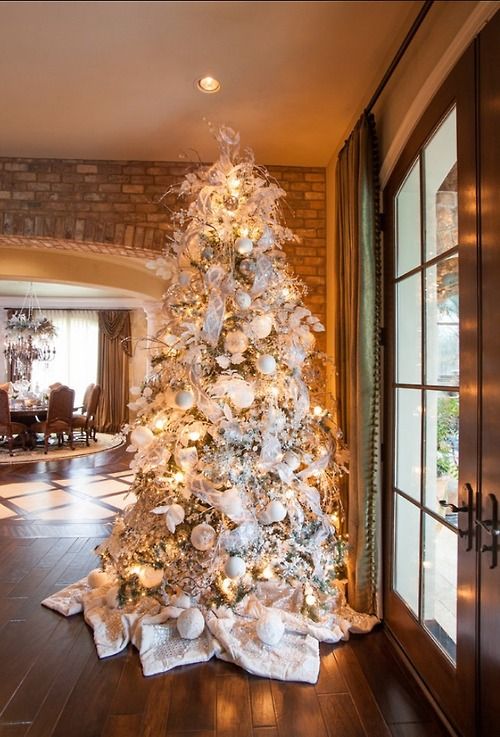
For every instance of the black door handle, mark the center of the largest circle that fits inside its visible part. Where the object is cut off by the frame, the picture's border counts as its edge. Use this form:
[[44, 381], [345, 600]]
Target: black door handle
[[467, 507], [490, 527]]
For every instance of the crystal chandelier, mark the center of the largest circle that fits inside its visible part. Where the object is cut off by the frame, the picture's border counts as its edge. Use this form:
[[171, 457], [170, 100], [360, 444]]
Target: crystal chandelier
[[28, 338]]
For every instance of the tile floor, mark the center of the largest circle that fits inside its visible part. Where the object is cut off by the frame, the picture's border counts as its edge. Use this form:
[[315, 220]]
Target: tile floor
[[82, 499]]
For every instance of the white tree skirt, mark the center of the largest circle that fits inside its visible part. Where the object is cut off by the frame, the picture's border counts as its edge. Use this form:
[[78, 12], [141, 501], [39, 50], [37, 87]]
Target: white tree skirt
[[228, 635]]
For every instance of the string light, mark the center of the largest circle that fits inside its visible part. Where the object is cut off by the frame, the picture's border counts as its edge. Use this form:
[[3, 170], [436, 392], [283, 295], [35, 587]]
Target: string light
[[160, 424], [194, 436], [310, 599], [268, 572], [179, 476]]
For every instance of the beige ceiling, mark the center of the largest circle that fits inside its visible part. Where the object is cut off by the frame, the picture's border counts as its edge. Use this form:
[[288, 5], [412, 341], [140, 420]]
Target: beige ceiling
[[115, 80]]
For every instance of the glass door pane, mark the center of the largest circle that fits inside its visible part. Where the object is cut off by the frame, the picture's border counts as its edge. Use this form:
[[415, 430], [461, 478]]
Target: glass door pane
[[426, 389]]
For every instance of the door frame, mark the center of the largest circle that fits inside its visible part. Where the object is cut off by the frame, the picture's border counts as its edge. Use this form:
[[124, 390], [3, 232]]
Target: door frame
[[453, 690]]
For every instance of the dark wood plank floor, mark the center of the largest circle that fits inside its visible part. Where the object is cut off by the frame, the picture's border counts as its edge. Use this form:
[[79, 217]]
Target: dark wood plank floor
[[53, 685]]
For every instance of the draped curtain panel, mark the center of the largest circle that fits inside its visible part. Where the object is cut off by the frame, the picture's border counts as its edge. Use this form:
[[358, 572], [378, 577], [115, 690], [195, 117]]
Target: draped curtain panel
[[358, 316], [112, 369]]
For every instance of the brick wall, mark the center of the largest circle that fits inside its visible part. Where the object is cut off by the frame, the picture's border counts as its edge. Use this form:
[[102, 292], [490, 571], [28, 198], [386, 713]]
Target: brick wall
[[116, 203]]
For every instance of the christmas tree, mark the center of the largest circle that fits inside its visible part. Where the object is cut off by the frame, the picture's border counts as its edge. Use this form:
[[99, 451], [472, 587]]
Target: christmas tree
[[238, 511]]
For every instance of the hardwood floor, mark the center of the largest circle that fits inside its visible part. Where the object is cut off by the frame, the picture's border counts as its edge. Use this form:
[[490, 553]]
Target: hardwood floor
[[52, 683]]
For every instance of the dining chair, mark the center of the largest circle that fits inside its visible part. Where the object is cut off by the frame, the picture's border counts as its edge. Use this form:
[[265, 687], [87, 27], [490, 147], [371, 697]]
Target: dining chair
[[59, 417], [86, 421], [8, 428]]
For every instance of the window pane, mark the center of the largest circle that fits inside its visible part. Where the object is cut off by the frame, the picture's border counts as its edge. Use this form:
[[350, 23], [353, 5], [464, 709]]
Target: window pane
[[440, 584], [442, 328], [409, 331], [407, 556], [441, 198], [408, 253], [408, 421], [441, 451]]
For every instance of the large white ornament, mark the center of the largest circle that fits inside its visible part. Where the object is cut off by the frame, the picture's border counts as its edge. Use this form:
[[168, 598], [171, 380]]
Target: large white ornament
[[236, 342], [261, 326], [266, 364], [244, 246], [235, 567], [141, 436], [243, 300], [184, 399], [150, 577], [292, 460], [203, 537], [270, 628], [190, 624], [97, 578], [275, 511], [242, 395]]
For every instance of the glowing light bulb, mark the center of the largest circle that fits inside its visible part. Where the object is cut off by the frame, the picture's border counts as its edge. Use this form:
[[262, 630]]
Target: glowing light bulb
[[318, 411], [268, 572], [179, 476], [194, 436], [244, 232], [234, 184], [290, 494], [226, 585], [310, 599], [274, 391], [285, 292], [160, 424]]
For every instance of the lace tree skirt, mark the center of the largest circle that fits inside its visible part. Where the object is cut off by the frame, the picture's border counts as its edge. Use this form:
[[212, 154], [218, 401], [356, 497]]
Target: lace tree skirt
[[228, 635]]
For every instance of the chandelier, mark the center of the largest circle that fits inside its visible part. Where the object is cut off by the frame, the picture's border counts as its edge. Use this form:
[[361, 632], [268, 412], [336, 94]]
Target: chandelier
[[28, 337]]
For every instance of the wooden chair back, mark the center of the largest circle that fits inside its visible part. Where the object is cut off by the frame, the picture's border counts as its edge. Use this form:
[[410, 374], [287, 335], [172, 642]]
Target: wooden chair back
[[86, 397], [60, 409], [4, 411], [94, 401]]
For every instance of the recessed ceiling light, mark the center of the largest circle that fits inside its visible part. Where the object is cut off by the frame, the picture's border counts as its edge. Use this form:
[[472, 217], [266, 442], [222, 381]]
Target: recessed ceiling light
[[208, 84]]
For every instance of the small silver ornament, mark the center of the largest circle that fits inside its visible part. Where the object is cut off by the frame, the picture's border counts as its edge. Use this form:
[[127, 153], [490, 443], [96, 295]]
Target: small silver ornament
[[207, 253], [231, 203], [247, 267]]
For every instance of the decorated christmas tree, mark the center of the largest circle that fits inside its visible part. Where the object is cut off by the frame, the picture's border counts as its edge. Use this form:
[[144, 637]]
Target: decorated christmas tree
[[235, 536]]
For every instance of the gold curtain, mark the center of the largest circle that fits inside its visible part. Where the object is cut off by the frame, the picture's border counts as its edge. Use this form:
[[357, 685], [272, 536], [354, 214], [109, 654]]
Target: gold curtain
[[112, 369], [358, 315]]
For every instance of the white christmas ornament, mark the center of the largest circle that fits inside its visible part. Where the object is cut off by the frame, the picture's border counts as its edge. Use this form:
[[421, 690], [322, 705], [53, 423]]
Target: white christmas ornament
[[270, 628], [244, 246], [261, 326], [235, 567], [243, 300], [266, 364], [97, 578], [275, 511], [203, 537], [174, 515], [182, 601], [292, 460], [190, 624], [242, 395], [236, 342], [150, 577], [184, 400], [141, 436]]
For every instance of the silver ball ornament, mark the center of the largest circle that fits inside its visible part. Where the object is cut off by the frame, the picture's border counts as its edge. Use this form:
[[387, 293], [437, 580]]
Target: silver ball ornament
[[203, 537], [244, 246], [247, 267], [184, 399], [266, 364], [235, 567], [190, 624], [141, 436], [243, 300], [275, 511]]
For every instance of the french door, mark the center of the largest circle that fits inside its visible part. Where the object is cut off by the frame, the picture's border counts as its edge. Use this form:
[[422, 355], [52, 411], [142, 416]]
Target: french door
[[442, 438]]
